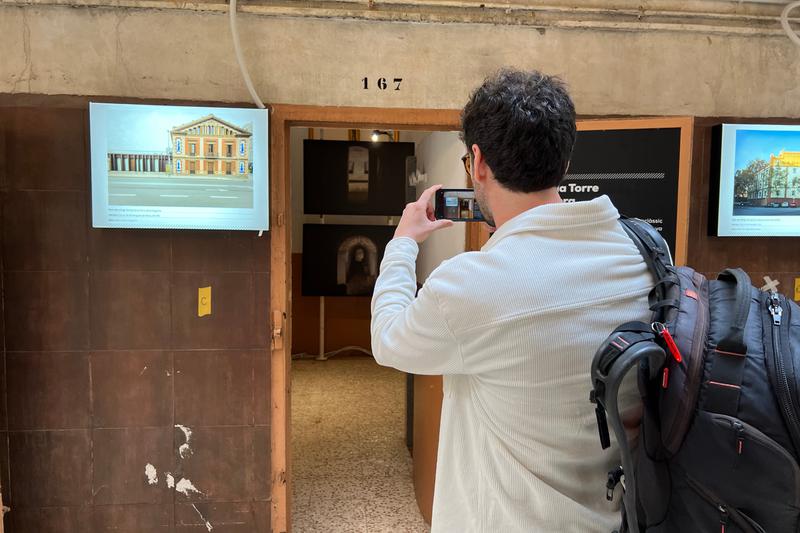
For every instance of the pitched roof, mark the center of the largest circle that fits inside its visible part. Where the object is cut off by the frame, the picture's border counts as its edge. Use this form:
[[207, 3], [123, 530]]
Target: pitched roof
[[237, 129]]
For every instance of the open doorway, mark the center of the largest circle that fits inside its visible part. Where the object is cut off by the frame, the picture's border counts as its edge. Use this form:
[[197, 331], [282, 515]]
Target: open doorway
[[283, 118], [352, 437]]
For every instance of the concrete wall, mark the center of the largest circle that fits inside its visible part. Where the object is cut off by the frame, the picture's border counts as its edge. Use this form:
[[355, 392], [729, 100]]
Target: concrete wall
[[634, 61]]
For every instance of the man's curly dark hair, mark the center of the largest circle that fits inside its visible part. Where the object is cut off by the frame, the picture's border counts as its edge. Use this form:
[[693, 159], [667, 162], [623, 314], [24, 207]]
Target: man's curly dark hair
[[524, 124]]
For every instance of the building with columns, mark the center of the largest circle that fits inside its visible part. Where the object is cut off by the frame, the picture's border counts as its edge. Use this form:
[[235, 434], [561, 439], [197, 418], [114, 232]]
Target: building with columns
[[211, 146]]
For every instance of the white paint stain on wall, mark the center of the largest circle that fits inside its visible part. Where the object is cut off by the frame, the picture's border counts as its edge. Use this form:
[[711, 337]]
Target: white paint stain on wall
[[184, 486], [203, 518], [151, 473], [185, 450]]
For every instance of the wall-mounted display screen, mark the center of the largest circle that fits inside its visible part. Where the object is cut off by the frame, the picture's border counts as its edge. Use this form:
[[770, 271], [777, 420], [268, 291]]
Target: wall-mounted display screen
[[181, 167], [342, 260], [755, 180], [355, 178]]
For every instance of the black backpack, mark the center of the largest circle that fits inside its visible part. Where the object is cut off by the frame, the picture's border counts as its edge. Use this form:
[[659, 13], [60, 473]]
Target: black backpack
[[718, 371]]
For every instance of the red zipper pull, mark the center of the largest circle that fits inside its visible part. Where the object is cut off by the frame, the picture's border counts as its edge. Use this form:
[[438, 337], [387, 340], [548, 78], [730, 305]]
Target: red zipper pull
[[662, 330]]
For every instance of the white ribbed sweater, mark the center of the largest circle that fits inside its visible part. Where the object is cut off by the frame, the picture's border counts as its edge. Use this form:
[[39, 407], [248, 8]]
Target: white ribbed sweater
[[513, 328]]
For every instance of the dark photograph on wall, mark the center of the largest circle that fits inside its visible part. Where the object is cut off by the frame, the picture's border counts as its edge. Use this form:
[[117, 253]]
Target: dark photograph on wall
[[355, 178], [637, 169], [342, 260]]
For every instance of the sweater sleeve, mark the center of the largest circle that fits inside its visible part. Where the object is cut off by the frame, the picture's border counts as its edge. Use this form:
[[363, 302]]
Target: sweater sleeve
[[410, 334]]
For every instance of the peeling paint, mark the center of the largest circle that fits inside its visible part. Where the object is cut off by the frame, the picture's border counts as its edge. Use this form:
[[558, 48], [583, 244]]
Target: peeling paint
[[151, 473], [170, 481], [187, 432], [184, 486], [142, 372], [203, 518], [185, 450]]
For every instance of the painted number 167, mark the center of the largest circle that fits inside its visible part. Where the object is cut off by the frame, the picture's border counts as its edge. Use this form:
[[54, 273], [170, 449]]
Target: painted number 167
[[382, 83]]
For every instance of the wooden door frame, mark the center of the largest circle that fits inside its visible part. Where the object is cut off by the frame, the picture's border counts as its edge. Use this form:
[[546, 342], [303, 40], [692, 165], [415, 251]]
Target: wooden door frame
[[282, 119], [285, 117]]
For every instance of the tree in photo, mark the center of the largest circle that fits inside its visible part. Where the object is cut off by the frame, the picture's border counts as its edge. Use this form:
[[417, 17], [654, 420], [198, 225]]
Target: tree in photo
[[745, 179], [780, 180]]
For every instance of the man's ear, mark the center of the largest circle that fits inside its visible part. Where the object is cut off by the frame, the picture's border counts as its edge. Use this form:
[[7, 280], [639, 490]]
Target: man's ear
[[479, 167]]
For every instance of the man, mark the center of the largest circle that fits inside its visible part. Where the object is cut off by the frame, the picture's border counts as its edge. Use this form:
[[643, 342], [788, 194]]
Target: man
[[513, 328]]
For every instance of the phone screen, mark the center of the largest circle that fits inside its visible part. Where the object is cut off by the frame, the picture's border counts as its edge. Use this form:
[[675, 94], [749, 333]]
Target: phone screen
[[458, 205]]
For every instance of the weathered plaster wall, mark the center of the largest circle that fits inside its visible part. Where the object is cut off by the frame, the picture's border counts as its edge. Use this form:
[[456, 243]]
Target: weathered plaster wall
[[736, 66]]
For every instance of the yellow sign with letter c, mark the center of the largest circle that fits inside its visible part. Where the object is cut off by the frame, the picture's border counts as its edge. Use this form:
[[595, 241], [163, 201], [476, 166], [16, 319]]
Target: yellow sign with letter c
[[203, 301]]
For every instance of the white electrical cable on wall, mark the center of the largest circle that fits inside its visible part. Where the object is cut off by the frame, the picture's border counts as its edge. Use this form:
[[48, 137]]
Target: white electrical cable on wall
[[239, 58], [785, 22]]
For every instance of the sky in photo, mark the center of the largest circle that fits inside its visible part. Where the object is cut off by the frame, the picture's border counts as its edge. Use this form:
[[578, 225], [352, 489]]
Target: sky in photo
[[760, 144], [145, 128]]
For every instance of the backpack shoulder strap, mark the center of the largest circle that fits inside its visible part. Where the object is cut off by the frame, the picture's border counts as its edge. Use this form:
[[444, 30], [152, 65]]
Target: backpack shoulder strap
[[651, 245], [658, 259]]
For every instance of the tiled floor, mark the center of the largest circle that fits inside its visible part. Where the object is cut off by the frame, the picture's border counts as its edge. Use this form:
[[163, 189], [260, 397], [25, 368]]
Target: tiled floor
[[351, 470]]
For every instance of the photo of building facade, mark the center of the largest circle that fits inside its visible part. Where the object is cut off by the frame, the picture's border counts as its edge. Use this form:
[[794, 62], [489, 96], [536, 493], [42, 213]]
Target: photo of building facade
[[777, 181], [205, 162], [208, 146], [211, 146]]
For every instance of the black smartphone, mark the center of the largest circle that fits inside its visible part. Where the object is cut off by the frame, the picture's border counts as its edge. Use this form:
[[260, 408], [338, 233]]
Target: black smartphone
[[457, 204]]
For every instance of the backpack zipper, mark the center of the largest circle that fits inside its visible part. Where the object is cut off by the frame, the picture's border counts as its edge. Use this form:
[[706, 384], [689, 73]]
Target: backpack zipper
[[723, 517], [775, 309], [784, 394], [726, 514], [756, 435]]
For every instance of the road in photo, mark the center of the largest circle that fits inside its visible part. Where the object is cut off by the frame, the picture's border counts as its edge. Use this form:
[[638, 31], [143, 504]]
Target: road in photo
[[180, 191], [762, 211]]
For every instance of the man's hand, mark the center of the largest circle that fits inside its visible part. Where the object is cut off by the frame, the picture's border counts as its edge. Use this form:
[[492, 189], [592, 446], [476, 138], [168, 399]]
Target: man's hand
[[418, 220]]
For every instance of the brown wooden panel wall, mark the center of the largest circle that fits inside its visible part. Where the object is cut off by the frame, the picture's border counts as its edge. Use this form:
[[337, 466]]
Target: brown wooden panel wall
[[104, 355], [776, 257]]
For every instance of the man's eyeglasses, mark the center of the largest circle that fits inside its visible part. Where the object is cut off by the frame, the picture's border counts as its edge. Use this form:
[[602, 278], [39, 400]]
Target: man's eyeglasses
[[467, 164]]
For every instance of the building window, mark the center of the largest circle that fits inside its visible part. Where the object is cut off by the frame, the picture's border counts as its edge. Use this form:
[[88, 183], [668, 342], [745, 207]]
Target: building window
[[210, 149], [192, 167], [241, 167], [178, 166], [241, 147], [192, 148], [228, 150], [227, 168]]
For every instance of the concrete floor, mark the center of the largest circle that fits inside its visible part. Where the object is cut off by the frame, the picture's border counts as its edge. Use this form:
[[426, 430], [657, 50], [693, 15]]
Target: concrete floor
[[351, 470]]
